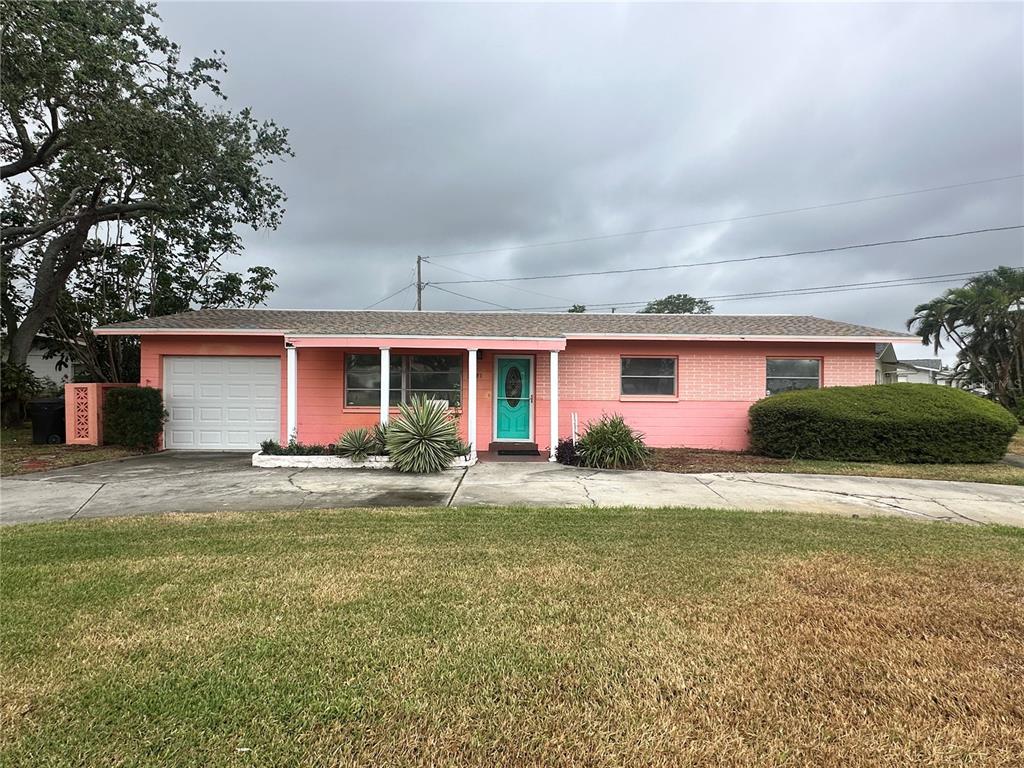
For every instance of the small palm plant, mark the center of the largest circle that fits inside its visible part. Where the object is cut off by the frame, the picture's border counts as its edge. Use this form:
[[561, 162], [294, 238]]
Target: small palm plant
[[422, 437], [356, 444]]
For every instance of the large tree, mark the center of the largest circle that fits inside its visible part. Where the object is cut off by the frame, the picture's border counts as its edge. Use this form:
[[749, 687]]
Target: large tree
[[678, 304], [984, 320], [105, 127]]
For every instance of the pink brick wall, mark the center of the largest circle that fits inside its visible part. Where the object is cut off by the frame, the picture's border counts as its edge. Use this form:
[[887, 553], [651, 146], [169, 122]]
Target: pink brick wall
[[717, 382]]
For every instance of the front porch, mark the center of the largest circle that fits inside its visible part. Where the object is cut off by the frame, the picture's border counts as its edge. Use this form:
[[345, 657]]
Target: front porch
[[501, 391]]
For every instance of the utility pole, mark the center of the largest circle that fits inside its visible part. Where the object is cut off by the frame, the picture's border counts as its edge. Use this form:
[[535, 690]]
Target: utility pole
[[419, 283]]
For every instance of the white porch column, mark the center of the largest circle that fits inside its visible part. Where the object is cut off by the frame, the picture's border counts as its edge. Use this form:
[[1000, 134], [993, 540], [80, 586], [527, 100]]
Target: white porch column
[[293, 394], [385, 383], [471, 403], [554, 404]]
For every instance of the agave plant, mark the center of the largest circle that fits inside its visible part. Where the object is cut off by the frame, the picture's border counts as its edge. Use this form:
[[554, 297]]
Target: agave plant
[[380, 438], [356, 444], [422, 437]]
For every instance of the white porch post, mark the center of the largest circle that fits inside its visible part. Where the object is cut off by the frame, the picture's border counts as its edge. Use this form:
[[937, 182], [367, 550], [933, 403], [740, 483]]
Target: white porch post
[[385, 383], [471, 404], [293, 394], [554, 404]]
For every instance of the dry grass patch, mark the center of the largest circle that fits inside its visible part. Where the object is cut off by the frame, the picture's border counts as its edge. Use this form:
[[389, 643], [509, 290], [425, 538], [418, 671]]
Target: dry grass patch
[[19, 455], [696, 461], [1017, 443], [512, 637]]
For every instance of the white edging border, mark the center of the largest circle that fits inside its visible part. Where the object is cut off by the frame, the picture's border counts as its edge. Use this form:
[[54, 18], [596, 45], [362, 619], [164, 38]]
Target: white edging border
[[340, 462]]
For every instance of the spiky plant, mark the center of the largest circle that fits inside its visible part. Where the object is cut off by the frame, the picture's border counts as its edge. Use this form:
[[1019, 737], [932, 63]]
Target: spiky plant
[[380, 438], [610, 443], [461, 448], [421, 438], [356, 444]]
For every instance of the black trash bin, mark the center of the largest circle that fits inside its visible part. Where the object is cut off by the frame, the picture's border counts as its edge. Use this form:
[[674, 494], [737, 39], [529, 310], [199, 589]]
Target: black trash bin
[[47, 420]]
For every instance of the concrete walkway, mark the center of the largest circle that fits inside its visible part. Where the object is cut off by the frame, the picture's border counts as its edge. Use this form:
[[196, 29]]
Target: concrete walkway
[[201, 482]]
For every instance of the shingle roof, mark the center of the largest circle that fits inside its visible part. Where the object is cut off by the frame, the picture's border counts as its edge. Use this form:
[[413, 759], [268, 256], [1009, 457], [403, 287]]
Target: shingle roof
[[494, 324], [931, 363]]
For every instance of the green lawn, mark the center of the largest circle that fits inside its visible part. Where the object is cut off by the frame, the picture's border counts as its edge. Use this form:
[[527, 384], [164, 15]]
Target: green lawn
[[511, 637]]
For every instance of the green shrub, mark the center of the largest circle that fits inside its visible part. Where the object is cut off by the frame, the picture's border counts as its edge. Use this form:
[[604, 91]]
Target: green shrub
[[133, 417], [461, 448], [274, 448], [565, 452], [422, 437], [1018, 411], [356, 444], [897, 423], [610, 443]]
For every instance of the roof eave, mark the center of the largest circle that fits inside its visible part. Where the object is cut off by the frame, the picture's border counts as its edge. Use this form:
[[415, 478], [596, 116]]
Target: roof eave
[[137, 331]]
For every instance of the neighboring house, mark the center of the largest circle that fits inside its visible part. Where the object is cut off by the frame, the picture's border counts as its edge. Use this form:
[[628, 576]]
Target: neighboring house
[[885, 364], [890, 370], [56, 369], [234, 377], [924, 371]]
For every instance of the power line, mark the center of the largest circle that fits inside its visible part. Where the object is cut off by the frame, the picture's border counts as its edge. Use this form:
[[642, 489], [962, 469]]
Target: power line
[[807, 291], [736, 260], [747, 217], [390, 296], [472, 298], [513, 287]]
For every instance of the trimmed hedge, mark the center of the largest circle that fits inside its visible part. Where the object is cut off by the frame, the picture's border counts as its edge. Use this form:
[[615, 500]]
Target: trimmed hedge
[[133, 417], [896, 423]]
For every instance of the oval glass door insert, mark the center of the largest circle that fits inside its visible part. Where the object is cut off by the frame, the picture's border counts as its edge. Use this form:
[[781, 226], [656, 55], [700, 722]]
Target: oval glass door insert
[[513, 387]]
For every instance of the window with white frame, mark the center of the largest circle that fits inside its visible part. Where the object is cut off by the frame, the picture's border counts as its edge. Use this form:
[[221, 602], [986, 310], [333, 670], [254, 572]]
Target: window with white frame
[[437, 377], [786, 374], [651, 376]]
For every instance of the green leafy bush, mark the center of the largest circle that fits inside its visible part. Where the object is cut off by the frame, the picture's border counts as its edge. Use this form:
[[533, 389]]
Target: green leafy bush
[[422, 437], [274, 448], [899, 423], [565, 452], [610, 443], [461, 448], [133, 417], [356, 444]]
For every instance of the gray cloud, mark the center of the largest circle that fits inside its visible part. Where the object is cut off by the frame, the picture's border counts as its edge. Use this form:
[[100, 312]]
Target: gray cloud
[[438, 128]]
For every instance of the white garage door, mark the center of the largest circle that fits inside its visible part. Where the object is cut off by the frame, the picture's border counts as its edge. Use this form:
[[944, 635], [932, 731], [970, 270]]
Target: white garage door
[[221, 403]]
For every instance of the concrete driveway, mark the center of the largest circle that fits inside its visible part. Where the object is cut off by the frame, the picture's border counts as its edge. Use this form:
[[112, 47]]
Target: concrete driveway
[[210, 482]]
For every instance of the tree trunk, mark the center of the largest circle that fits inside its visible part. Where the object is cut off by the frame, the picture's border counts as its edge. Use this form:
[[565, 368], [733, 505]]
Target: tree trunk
[[60, 258]]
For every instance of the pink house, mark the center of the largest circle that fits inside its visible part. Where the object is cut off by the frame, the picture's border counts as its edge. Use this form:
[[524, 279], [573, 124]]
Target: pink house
[[234, 377]]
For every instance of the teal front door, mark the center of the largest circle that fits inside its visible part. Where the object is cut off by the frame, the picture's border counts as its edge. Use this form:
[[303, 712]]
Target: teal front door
[[513, 398]]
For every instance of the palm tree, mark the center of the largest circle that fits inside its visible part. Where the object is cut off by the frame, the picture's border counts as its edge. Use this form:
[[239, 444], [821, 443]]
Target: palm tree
[[985, 321]]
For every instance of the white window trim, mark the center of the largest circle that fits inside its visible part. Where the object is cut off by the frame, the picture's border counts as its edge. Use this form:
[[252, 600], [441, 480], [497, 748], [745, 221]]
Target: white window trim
[[403, 389]]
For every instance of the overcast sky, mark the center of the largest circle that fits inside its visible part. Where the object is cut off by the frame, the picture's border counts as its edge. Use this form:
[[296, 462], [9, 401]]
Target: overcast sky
[[435, 129]]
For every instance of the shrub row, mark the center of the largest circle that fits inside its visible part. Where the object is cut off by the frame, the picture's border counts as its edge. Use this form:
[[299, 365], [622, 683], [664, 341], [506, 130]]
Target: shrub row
[[900, 423], [422, 438]]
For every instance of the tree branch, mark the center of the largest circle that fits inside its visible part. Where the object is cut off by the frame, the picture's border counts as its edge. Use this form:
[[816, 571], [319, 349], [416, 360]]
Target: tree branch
[[26, 235]]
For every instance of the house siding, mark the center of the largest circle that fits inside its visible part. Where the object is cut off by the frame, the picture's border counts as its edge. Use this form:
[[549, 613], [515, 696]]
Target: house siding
[[156, 348], [717, 383]]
